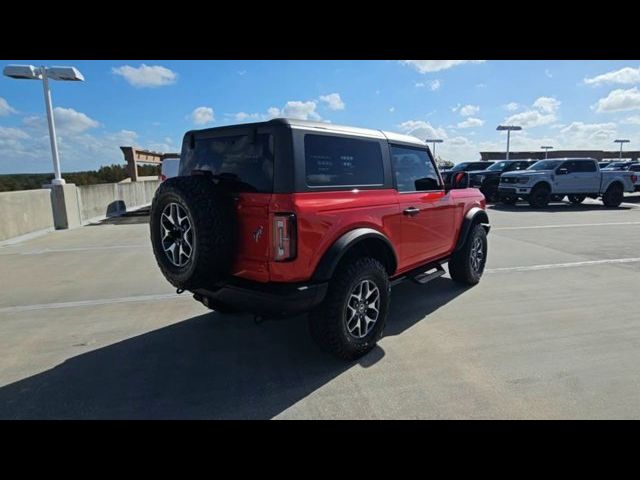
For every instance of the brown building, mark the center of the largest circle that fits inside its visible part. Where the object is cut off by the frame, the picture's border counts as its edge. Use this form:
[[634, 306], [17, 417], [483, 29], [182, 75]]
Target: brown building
[[599, 155]]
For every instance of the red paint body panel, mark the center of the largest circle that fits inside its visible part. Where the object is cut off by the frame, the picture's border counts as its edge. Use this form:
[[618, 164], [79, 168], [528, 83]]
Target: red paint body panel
[[322, 217]]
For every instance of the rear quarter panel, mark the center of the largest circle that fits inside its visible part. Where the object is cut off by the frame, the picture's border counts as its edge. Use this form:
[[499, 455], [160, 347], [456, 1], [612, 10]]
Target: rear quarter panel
[[464, 200], [323, 217]]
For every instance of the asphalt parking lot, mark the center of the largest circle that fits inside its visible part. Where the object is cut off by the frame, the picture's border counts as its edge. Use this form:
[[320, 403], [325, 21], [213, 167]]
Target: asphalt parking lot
[[89, 328]]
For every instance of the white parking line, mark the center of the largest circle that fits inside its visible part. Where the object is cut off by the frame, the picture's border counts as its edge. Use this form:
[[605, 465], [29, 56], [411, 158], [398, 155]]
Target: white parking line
[[75, 249], [90, 303], [531, 268], [566, 225]]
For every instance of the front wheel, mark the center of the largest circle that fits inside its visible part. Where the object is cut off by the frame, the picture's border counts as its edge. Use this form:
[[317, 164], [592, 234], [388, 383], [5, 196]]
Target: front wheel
[[540, 196], [613, 196], [467, 264], [351, 318]]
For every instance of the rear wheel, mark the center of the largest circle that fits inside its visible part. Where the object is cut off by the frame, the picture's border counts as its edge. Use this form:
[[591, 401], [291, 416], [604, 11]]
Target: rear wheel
[[351, 319], [613, 196], [539, 197], [577, 199], [467, 264]]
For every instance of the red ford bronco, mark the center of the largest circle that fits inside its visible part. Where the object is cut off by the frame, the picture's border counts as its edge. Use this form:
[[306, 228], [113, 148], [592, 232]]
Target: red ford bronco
[[284, 217]]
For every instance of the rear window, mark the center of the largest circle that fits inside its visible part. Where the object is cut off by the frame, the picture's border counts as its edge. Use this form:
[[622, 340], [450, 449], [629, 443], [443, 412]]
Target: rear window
[[244, 160], [342, 162]]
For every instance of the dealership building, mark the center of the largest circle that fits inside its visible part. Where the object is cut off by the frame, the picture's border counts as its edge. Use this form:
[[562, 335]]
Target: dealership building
[[600, 155]]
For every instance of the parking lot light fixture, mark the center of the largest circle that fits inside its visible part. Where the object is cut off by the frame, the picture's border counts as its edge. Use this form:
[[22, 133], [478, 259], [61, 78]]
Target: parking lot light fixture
[[508, 128], [434, 141], [546, 149], [67, 74], [621, 141]]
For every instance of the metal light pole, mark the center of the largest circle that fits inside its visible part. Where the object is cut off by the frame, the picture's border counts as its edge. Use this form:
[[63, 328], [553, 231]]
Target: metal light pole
[[546, 149], [434, 141], [621, 142], [29, 72], [508, 128]]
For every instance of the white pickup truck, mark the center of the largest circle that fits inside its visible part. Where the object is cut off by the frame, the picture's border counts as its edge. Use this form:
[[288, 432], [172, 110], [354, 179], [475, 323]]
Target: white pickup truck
[[578, 178]]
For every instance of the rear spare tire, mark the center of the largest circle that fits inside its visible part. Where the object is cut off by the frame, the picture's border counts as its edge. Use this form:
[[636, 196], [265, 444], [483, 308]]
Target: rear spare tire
[[193, 229]]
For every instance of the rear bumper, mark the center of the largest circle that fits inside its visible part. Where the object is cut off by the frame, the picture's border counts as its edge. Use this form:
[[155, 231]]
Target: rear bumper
[[274, 299]]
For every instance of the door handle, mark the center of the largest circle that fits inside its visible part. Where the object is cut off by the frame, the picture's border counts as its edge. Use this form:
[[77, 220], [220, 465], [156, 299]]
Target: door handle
[[411, 211]]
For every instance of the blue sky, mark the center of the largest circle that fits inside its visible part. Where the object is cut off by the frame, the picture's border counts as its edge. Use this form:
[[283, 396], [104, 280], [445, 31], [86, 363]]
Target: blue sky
[[151, 103]]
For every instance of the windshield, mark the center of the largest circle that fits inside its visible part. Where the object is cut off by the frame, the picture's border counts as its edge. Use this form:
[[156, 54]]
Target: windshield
[[498, 167], [617, 166], [545, 165], [245, 162]]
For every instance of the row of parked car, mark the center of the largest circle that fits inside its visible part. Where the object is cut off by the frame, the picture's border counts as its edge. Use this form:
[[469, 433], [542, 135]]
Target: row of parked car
[[540, 182]]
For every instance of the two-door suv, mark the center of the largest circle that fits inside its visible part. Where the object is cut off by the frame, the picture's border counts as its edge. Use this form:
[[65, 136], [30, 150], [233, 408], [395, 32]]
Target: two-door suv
[[283, 217]]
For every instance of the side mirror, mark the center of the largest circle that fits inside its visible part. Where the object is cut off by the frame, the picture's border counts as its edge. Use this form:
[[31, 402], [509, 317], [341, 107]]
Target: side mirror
[[459, 180], [562, 171]]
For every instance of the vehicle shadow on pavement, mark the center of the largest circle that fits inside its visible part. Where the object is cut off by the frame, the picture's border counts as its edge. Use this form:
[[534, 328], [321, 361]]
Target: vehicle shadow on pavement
[[209, 366], [552, 208]]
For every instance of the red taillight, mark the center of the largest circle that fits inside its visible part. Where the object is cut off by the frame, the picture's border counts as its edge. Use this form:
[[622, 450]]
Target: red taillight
[[163, 177], [284, 237], [634, 178]]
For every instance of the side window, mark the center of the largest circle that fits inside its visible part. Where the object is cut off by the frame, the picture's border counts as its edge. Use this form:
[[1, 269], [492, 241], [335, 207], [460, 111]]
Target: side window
[[586, 166], [570, 165], [342, 162], [413, 169], [634, 168]]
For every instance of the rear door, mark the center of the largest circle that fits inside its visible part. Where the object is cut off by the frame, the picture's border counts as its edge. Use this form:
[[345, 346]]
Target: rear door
[[586, 177], [428, 213], [566, 182]]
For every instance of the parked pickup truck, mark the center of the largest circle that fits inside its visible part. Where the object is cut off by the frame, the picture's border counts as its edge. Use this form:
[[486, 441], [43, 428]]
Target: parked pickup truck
[[577, 178]]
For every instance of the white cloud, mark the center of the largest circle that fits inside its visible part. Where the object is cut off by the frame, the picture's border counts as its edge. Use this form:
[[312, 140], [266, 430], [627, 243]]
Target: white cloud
[[543, 112], [548, 73], [5, 108], [426, 66], [512, 106], [633, 120], [433, 85], [69, 120], [10, 133], [626, 75], [531, 118], [422, 129], [469, 110], [202, 115], [619, 100], [333, 101], [579, 132], [242, 72], [392, 109], [471, 122], [299, 110], [273, 112], [547, 104], [456, 108], [146, 76], [243, 116]]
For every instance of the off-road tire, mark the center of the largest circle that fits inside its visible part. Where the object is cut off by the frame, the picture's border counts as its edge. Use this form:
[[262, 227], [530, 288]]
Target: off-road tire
[[613, 196], [461, 268], [327, 323], [539, 196], [576, 199], [212, 216]]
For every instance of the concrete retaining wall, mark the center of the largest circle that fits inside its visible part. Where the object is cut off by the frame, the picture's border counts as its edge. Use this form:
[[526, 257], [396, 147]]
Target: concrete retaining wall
[[25, 212], [96, 202], [69, 206]]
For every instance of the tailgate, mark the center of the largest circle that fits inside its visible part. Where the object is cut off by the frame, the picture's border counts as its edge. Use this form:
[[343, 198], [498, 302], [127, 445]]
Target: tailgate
[[252, 257]]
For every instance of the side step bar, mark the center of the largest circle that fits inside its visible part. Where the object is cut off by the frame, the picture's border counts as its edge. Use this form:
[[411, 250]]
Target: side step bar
[[422, 275], [426, 277]]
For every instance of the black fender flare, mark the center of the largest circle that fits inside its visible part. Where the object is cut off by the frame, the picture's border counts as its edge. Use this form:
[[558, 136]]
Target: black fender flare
[[329, 261], [473, 216]]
